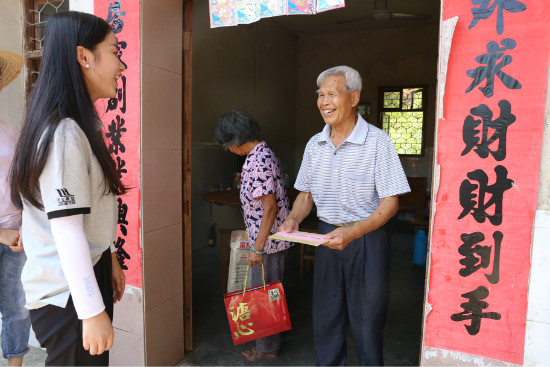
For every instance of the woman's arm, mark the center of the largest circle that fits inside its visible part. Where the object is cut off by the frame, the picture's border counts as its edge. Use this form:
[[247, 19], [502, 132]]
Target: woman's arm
[[74, 255], [119, 279], [269, 203]]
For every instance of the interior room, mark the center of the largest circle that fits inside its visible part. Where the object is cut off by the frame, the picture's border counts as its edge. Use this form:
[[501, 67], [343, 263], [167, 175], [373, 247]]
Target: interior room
[[269, 68]]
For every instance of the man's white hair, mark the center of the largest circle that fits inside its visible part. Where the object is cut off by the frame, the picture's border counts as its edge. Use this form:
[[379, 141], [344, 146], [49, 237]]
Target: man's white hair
[[353, 79]]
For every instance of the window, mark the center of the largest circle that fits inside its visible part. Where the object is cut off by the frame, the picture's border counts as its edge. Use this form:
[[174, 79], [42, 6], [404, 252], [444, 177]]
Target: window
[[402, 114], [37, 13]]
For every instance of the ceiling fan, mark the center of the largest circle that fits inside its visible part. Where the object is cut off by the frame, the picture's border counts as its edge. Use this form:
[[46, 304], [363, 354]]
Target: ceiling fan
[[381, 12]]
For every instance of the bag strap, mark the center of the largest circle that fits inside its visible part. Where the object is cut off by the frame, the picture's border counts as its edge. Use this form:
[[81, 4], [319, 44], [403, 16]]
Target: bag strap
[[246, 278]]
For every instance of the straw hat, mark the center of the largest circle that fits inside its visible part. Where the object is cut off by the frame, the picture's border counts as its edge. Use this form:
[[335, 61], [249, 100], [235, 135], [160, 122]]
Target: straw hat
[[11, 65]]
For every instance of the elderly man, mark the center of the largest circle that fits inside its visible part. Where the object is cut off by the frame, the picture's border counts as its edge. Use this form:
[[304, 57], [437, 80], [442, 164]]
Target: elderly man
[[352, 173]]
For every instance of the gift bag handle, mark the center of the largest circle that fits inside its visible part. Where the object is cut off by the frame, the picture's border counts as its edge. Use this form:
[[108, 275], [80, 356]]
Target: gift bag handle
[[246, 278]]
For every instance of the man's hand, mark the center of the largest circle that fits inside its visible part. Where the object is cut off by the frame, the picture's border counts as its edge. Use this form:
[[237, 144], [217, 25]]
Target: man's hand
[[97, 333], [290, 224], [339, 238], [254, 258], [119, 279]]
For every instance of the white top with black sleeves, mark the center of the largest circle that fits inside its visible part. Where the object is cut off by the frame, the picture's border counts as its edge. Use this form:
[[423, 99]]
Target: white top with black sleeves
[[72, 182]]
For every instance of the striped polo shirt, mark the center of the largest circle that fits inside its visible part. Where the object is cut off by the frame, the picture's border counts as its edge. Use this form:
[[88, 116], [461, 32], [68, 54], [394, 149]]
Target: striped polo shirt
[[347, 181]]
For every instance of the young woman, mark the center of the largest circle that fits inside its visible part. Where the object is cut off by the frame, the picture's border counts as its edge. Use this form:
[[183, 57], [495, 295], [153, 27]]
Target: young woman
[[66, 181], [265, 206]]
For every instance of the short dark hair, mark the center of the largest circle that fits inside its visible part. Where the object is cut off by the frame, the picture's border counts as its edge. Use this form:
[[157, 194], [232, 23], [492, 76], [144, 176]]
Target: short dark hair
[[236, 127]]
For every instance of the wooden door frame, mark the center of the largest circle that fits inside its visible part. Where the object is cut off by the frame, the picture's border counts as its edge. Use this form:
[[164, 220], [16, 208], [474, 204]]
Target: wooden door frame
[[186, 174]]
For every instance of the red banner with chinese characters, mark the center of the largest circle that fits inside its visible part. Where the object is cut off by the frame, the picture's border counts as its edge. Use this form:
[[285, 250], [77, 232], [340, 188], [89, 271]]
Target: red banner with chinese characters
[[489, 147], [121, 118]]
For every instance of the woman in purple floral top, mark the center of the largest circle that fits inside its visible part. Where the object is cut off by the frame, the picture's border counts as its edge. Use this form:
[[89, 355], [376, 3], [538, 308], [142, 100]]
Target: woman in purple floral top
[[265, 206]]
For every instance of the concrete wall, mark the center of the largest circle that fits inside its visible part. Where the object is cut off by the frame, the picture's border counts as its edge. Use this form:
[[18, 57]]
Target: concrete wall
[[251, 67], [12, 98]]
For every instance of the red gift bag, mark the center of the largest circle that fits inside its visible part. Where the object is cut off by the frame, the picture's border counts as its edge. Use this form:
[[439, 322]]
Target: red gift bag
[[257, 312]]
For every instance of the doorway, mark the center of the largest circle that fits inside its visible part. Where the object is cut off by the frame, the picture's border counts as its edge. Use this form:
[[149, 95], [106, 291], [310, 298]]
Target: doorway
[[269, 68]]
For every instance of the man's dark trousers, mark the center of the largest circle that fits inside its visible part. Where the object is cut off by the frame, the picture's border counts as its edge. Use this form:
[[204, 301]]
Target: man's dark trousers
[[351, 287]]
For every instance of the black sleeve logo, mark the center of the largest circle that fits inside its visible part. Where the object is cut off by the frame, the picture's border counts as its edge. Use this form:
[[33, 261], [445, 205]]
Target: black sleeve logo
[[65, 198]]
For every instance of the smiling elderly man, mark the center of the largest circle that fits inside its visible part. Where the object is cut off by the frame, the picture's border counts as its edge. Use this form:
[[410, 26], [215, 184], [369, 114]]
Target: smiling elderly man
[[352, 173]]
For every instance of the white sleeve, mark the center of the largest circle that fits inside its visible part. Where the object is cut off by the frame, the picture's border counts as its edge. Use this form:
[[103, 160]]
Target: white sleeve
[[76, 262], [112, 247]]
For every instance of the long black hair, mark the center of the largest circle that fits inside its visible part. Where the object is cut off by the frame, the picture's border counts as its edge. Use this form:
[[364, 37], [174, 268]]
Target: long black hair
[[61, 92]]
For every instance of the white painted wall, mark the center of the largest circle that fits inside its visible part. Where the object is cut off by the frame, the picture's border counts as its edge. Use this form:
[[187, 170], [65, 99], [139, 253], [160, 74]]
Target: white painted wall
[[85, 6], [537, 338]]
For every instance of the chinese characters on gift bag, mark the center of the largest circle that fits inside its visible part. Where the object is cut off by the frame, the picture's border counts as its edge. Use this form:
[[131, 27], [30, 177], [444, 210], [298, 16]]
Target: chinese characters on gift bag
[[240, 316]]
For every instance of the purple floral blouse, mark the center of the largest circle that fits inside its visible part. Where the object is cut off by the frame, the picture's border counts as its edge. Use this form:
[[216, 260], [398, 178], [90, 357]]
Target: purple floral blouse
[[261, 175]]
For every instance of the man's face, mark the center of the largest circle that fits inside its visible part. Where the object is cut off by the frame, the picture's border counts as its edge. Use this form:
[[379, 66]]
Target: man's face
[[334, 102]]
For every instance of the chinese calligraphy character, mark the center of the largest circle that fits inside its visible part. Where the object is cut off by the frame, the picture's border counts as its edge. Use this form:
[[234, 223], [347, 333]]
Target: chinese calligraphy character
[[114, 17], [120, 164], [115, 135], [472, 263], [122, 46], [244, 329], [242, 313], [485, 11], [121, 254], [473, 310], [122, 211], [467, 195], [488, 72], [499, 126], [112, 104]]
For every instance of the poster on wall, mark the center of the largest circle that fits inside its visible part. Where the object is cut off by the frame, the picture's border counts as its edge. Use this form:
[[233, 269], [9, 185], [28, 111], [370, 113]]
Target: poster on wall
[[121, 119], [225, 13], [489, 148]]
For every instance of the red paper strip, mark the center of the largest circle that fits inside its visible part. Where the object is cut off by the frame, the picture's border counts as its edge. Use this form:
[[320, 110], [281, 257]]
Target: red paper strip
[[481, 238], [121, 118]]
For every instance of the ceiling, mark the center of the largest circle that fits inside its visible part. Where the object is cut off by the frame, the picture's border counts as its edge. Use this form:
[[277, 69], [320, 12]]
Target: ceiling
[[358, 15]]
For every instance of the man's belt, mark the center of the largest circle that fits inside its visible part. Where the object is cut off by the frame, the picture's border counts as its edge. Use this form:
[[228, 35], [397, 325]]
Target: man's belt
[[348, 224]]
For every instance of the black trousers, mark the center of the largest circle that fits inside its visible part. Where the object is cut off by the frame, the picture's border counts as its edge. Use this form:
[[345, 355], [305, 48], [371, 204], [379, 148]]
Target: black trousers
[[60, 331], [351, 289]]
